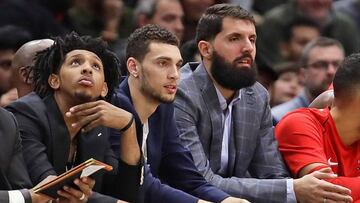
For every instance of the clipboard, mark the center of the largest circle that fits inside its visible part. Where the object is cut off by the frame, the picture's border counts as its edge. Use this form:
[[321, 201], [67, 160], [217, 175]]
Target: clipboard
[[84, 169]]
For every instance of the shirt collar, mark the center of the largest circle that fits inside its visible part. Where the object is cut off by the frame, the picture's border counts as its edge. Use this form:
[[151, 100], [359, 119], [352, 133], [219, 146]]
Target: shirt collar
[[222, 100]]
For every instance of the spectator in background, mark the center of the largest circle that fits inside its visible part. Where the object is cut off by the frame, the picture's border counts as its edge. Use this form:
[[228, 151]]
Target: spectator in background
[[327, 138], [332, 24], [287, 86], [318, 64], [168, 14], [193, 9], [297, 34], [11, 38], [224, 118], [23, 62]]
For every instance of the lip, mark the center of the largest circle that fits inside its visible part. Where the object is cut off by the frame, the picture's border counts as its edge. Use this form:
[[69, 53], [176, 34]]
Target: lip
[[245, 61], [171, 89], [86, 81]]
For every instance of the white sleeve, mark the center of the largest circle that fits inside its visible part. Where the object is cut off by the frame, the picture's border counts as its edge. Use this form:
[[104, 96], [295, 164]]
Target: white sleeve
[[15, 196]]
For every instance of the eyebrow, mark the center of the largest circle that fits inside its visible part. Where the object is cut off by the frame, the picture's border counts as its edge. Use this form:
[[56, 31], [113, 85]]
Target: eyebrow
[[81, 55]]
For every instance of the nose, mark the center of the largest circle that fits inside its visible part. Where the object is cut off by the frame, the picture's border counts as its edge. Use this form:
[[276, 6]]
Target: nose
[[179, 27], [248, 46], [86, 70], [331, 70], [174, 73]]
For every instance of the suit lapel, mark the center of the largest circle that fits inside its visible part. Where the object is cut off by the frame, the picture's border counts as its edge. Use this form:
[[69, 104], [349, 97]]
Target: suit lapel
[[213, 107], [60, 135]]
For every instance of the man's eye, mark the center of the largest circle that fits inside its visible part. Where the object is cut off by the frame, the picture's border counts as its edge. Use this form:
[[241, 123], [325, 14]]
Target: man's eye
[[75, 62]]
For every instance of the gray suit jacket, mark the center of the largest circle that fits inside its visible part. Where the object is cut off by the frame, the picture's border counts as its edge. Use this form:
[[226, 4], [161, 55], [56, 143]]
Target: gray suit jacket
[[253, 150]]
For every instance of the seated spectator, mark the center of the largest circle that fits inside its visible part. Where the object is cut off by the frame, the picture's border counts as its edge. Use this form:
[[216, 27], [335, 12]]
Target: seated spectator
[[287, 86], [153, 60], [318, 64], [332, 24], [168, 14], [327, 138], [11, 38], [22, 63], [297, 34], [13, 175], [77, 75], [350, 8], [224, 118]]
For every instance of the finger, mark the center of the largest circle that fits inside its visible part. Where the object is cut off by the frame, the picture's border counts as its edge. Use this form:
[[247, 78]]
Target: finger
[[84, 112], [84, 187], [326, 170], [67, 195], [321, 175], [334, 188], [76, 194], [84, 121], [337, 197], [89, 181], [91, 125]]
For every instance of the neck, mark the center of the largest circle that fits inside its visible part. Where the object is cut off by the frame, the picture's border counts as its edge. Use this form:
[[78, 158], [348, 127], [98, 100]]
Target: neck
[[308, 95], [144, 106], [64, 105], [228, 94], [346, 119], [23, 90]]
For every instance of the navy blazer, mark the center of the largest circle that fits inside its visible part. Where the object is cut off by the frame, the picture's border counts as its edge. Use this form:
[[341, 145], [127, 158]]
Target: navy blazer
[[169, 164], [13, 174], [46, 143]]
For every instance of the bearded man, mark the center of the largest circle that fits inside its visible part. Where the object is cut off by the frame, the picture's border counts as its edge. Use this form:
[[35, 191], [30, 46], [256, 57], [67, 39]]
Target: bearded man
[[224, 118]]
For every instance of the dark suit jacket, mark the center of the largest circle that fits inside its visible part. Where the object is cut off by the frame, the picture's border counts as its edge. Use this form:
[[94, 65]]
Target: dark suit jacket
[[253, 148], [13, 174], [171, 165], [46, 143]]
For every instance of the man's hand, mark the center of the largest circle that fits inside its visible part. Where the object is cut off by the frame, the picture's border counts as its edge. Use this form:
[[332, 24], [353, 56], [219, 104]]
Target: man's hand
[[71, 195], [39, 198], [234, 200], [8, 97], [93, 114], [311, 188]]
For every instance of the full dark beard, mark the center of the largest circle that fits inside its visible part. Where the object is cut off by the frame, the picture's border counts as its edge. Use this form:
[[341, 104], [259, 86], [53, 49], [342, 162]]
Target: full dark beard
[[229, 75]]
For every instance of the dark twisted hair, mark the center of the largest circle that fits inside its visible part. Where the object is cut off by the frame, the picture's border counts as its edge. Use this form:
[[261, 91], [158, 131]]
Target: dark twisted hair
[[49, 61]]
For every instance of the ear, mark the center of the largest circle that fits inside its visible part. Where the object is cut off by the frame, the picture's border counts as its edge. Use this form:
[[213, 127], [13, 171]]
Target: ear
[[104, 90], [133, 67], [24, 74], [54, 81], [205, 49]]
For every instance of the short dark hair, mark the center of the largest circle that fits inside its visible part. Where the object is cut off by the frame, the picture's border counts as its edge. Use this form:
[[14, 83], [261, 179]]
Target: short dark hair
[[140, 39], [318, 42], [49, 61], [210, 23], [347, 78], [299, 21]]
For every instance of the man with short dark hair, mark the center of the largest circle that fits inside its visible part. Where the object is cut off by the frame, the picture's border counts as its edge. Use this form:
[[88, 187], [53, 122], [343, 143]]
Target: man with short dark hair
[[67, 121], [153, 60], [329, 137], [224, 118]]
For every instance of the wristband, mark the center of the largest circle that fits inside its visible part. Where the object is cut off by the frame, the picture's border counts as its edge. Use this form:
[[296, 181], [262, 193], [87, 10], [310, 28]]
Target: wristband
[[127, 126]]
